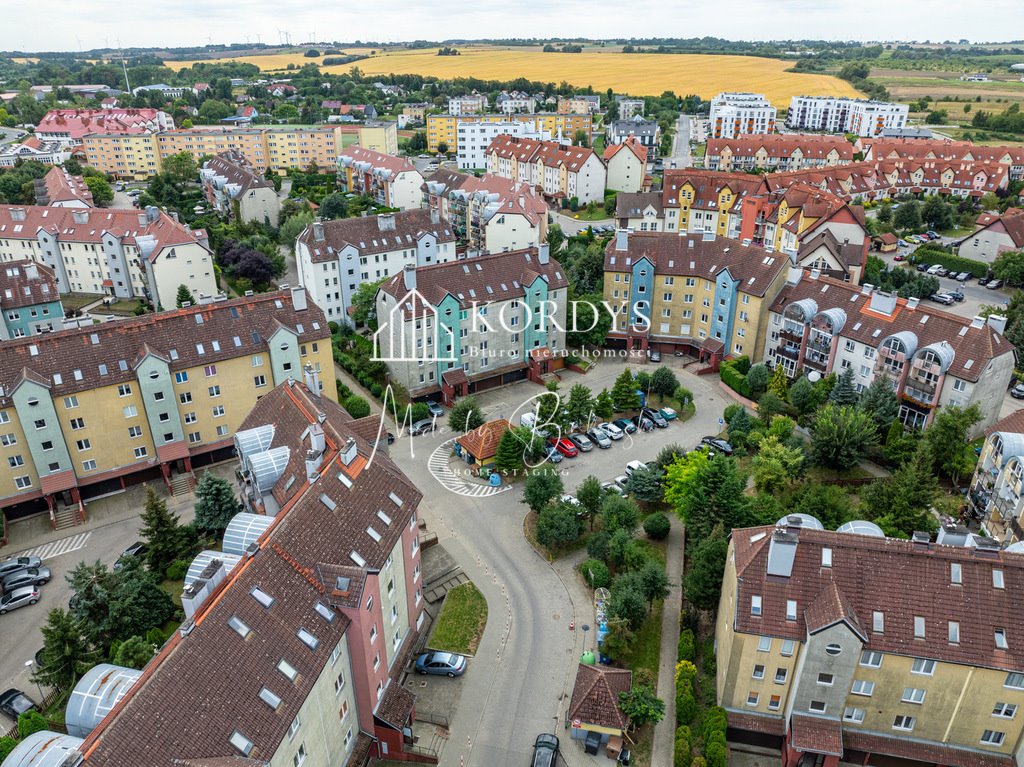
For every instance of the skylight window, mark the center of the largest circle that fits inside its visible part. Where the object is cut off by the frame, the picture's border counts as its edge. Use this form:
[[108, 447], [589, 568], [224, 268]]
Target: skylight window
[[262, 597], [357, 558], [395, 500], [324, 612], [268, 697], [239, 626], [307, 639], [242, 743], [373, 534], [383, 517], [287, 669]]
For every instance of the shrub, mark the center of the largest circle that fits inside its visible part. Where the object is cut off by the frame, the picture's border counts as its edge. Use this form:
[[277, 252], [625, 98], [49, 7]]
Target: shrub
[[6, 747], [156, 636], [708, 655], [730, 411], [698, 761], [657, 526], [687, 646], [716, 755], [933, 254], [357, 407], [177, 569], [597, 545], [715, 719], [30, 722], [333, 327], [343, 391], [686, 703], [731, 376], [376, 390], [682, 755], [595, 572]]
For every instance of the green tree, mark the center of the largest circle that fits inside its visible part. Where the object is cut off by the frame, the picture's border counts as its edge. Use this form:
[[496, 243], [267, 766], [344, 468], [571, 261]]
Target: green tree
[[364, 304], [213, 111], [595, 573], [357, 406], [627, 600], [938, 214], [664, 382], [778, 384], [418, 141], [908, 215], [579, 407], [184, 296], [509, 456], [946, 444], [66, 654], [590, 494], [841, 436], [556, 238], [542, 487], [624, 392], [645, 484], [99, 187], [989, 200], [588, 322], [134, 652], [549, 404], [657, 526], [581, 138], [757, 378], [442, 147], [884, 215], [879, 401], [714, 496], [180, 168], [465, 416], [703, 581], [293, 226], [286, 113], [333, 206], [844, 392], [216, 503], [642, 706], [681, 476], [654, 581], [619, 513], [901, 504], [900, 443], [1009, 267], [776, 465], [557, 525], [31, 722], [604, 408], [161, 532], [7, 745]]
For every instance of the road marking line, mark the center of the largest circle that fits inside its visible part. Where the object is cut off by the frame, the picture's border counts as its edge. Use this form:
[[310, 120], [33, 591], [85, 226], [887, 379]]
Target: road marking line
[[58, 548]]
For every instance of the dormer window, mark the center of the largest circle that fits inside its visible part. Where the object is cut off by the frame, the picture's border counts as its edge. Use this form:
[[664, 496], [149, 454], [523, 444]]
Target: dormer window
[[918, 627], [878, 622]]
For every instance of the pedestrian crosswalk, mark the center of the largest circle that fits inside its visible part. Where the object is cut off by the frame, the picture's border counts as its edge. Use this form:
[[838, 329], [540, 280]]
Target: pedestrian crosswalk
[[438, 464], [57, 548]]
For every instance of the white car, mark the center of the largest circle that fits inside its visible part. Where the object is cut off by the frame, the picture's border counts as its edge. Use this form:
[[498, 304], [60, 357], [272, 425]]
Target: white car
[[572, 500], [613, 431], [634, 466]]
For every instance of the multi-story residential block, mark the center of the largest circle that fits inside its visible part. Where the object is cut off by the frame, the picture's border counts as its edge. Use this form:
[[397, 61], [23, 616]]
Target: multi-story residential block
[[29, 300], [470, 325], [628, 107], [33, 148], [474, 103], [862, 117], [443, 129], [317, 627], [735, 114], [234, 188], [821, 656], [697, 293], [933, 358], [996, 494], [646, 132], [59, 189], [777, 152], [85, 411], [474, 139], [391, 181], [515, 101], [169, 92], [1002, 233], [706, 201], [580, 103], [640, 212], [69, 126], [106, 251], [558, 170], [902, 152], [413, 114], [335, 257], [122, 155], [627, 166]]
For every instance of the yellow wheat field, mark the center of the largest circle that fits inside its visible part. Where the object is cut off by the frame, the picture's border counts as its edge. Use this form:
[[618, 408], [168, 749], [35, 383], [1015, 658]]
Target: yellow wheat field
[[638, 74]]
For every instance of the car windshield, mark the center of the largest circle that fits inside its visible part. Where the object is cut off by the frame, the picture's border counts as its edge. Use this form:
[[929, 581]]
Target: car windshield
[[442, 657]]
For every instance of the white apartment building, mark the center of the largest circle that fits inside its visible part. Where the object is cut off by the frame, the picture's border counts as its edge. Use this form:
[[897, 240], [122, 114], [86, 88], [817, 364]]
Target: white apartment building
[[512, 102], [863, 117], [335, 257], [389, 180], [629, 107], [472, 104], [736, 114], [476, 137], [559, 170]]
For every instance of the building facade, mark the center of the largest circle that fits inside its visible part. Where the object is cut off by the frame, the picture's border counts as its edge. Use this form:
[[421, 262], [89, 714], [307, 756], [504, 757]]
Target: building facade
[[1005, 232], [335, 257], [627, 166], [862, 117], [646, 132], [515, 101], [996, 494], [29, 300], [391, 181], [560, 171], [32, 148], [234, 188], [736, 114], [68, 127], [777, 152], [628, 107], [474, 138], [474, 103], [443, 129]]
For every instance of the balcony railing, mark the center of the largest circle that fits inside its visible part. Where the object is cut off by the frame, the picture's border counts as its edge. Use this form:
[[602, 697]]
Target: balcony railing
[[921, 396], [789, 352], [816, 362], [791, 335]]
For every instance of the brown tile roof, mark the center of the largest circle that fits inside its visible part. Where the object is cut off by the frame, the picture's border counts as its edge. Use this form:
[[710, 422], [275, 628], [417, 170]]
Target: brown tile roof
[[633, 204], [396, 706], [768, 725], [863, 571], [817, 735], [27, 283], [632, 144], [235, 168], [378, 160], [368, 235], [849, 254], [482, 442], [707, 184], [595, 696], [973, 347], [888, 238], [934, 753], [830, 607], [691, 255], [106, 354], [1012, 424], [551, 153], [778, 146], [60, 186]]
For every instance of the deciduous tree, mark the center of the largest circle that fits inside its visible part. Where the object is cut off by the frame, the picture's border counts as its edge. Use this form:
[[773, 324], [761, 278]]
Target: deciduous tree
[[465, 415], [841, 436], [542, 486]]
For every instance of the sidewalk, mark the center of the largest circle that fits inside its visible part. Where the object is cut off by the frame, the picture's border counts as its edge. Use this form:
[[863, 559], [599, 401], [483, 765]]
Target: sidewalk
[[665, 730]]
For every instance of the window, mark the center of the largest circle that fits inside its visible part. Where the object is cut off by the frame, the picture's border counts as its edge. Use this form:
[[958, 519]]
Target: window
[[181, 376], [22, 482], [222, 430], [15, 461], [918, 627], [158, 396], [259, 381], [826, 680], [993, 737], [817, 706], [903, 722], [954, 632], [780, 675], [89, 465], [185, 397], [376, 661], [373, 633], [307, 639], [70, 402], [209, 371], [134, 432], [300, 755], [923, 666], [774, 702], [256, 360], [141, 452], [289, 671], [752, 698], [1000, 636], [339, 682], [348, 739], [130, 411], [788, 646], [862, 687], [997, 579], [218, 411], [826, 557], [124, 390], [1004, 710], [913, 695], [758, 671], [83, 445], [270, 698], [240, 742], [755, 605], [193, 437], [790, 609], [1014, 680], [239, 626], [214, 391], [871, 659], [833, 649], [852, 714], [878, 622], [955, 573], [764, 644]]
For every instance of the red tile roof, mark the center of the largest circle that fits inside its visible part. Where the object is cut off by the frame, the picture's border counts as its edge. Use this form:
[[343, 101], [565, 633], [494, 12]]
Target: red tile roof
[[233, 166], [60, 186], [27, 283], [779, 146], [551, 153], [1012, 424], [707, 184], [632, 144], [482, 442], [378, 160], [595, 696], [817, 735], [78, 122]]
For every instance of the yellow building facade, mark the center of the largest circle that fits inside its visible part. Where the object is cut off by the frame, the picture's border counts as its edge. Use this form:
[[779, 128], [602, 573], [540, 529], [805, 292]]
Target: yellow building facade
[[442, 128]]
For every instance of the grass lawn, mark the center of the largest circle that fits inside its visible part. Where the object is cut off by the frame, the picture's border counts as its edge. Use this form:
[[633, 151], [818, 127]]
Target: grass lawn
[[462, 620], [956, 232], [646, 650], [123, 307], [583, 215], [72, 301]]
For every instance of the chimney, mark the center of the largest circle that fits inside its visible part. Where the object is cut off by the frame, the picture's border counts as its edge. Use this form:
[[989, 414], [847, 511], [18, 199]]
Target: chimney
[[977, 322], [349, 452], [318, 231], [386, 222], [152, 214], [196, 593], [317, 440], [622, 239], [31, 270], [543, 253], [312, 379], [912, 302], [815, 273], [80, 216], [795, 275], [998, 323], [312, 464], [921, 541], [782, 551], [793, 524], [884, 303], [409, 277], [435, 216], [299, 298], [866, 288]]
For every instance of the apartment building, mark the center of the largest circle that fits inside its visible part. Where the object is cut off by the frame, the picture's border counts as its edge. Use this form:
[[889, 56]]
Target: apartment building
[[443, 129], [391, 181], [735, 114], [628, 107], [413, 114], [696, 200], [820, 656], [474, 103], [87, 411], [169, 92], [697, 293], [917, 151], [645, 132], [462, 327], [317, 628], [1003, 233], [335, 257], [124, 155], [122, 253], [515, 101], [627, 166], [996, 491], [29, 300], [579, 103], [933, 358], [558, 170], [474, 139], [640, 212], [777, 152], [32, 148], [862, 117], [59, 189], [68, 127], [235, 188]]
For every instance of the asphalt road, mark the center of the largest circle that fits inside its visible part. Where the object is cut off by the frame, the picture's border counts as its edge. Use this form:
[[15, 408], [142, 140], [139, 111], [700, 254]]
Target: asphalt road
[[680, 145], [8, 135]]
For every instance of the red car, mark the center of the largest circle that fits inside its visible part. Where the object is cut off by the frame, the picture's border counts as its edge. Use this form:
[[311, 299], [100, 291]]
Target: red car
[[565, 447], [899, 257]]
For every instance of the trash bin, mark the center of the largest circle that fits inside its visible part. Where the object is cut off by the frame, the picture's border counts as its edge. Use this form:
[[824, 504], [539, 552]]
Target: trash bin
[[592, 743]]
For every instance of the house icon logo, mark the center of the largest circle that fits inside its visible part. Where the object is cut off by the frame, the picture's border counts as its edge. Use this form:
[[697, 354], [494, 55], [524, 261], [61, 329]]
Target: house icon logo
[[413, 330]]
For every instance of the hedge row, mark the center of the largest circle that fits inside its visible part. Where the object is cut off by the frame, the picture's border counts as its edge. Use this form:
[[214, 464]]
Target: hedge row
[[734, 375], [951, 262]]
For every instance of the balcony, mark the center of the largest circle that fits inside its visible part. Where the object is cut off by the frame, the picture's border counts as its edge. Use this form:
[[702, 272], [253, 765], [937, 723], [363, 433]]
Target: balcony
[[921, 395], [821, 342], [789, 352], [816, 362], [791, 335]]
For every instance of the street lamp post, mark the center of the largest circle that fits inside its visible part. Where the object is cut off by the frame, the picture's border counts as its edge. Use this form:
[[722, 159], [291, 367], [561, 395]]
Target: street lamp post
[[29, 664]]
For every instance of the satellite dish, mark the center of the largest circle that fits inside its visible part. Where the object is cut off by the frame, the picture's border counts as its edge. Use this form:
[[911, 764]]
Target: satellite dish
[[814, 376]]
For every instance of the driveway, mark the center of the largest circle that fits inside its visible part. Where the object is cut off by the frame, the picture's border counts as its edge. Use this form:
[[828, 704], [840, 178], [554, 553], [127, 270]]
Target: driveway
[[572, 226]]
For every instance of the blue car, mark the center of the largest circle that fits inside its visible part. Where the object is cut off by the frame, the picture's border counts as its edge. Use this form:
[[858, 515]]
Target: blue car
[[444, 663]]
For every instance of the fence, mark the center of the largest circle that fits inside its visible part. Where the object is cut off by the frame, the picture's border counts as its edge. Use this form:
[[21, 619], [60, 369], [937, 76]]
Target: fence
[[48, 700]]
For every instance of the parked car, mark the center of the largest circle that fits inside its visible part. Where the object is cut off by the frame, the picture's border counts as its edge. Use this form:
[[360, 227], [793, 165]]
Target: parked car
[[942, 298], [903, 244], [12, 600], [1017, 392], [434, 408], [14, 703], [933, 235], [581, 441], [626, 425], [943, 272], [634, 466], [654, 355], [421, 427], [572, 500], [984, 280], [565, 447], [957, 295], [718, 444], [962, 276], [899, 257], [913, 238], [643, 423], [655, 416], [614, 432], [934, 269], [669, 414], [13, 565], [444, 663], [137, 549], [994, 284], [923, 267], [552, 455], [545, 750], [33, 576], [621, 481], [611, 487], [598, 437]]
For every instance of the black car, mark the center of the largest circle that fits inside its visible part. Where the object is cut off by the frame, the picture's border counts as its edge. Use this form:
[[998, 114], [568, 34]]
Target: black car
[[1017, 392], [923, 267], [655, 416], [642, 423], [956, 295], [545, 750], [137, 549], [14, 703], [717, 444], [984, 280]]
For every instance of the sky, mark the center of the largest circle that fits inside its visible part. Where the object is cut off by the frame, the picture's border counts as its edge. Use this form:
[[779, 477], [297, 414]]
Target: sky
[[48, 24]]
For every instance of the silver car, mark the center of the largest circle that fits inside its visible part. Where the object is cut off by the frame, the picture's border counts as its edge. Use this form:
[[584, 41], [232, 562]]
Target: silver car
[[27, 595], [421, 427], [33, 576], [598, 436], [13, 565]]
